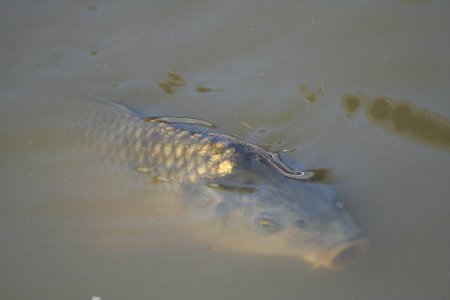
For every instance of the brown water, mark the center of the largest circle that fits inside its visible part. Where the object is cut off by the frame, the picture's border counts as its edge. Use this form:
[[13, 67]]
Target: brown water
[[358, 88]]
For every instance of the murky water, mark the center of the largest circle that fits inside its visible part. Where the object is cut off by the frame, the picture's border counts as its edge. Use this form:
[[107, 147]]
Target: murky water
[[358, 88]]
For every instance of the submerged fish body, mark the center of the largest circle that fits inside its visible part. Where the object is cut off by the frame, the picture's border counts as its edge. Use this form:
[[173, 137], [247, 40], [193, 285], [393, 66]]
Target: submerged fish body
[[247, 198]]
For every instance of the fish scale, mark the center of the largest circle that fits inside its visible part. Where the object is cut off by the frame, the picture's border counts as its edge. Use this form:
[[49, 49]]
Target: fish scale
[[171, 150]]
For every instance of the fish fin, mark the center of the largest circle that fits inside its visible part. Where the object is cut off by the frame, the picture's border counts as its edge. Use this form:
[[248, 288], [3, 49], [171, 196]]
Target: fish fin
[[182, 120], [272, 160], [230, 185], [120, 105], [156, 175], [164, 119]]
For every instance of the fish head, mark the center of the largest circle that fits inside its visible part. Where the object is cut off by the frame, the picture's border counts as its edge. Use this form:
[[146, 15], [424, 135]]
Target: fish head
[[263, 212]]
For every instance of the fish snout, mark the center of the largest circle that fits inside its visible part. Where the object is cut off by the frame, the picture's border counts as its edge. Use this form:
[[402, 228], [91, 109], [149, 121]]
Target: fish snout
[[347, 253]]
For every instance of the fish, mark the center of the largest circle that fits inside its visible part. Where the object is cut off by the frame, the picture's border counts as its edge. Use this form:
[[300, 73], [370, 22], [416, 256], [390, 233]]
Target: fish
[[242, 194]]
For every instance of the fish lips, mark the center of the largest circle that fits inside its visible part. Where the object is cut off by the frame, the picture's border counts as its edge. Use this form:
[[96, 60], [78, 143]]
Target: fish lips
[[346, 254], [340, 255]]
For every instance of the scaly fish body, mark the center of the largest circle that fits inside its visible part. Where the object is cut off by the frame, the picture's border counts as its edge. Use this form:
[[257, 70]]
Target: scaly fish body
[[251, 198], [182, 152]]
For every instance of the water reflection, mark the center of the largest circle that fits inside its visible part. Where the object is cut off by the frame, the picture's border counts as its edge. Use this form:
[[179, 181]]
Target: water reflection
[[353, 102], [172, 83], [309, 96], [403, 118]]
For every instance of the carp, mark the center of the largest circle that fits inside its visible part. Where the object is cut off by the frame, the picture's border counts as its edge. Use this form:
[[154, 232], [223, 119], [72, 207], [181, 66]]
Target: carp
[[247, 196]]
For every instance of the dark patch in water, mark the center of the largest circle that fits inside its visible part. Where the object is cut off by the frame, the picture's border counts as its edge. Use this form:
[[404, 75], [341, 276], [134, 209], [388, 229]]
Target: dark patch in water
[[172, 83], [353, 102], [92, 8], [202, 89], [403, 118], [310, 97]]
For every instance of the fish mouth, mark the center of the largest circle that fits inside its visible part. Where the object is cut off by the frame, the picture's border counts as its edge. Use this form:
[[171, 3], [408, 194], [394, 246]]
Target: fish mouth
[[347, 254]]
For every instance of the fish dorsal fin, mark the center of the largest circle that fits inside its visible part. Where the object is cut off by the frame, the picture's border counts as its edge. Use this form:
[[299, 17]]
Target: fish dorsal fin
[[271, 159], [121, 106], [182, 120], [146, 117], [275, 162]]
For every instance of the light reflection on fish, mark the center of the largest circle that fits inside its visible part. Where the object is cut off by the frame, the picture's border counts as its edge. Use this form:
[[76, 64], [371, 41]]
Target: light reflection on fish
[[245, 195]]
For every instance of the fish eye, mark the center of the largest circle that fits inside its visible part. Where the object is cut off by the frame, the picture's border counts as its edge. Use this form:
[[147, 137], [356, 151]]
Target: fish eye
[[339, 205], [299, 223], [268, 223]]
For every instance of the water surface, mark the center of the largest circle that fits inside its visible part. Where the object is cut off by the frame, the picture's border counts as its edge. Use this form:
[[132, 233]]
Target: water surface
[[278, 74]]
